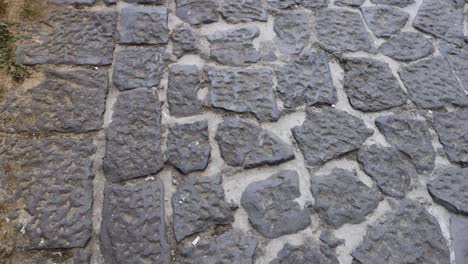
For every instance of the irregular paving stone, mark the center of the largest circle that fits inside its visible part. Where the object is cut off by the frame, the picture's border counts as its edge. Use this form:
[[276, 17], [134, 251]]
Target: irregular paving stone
[[232, 247], [450, 189], [390, 171], [82, 2], [243, 11], [133, 224], [354, 3], [306, 79], [409, 235], [340, 30], [399, 3], [69, 39], [244, 143], [271, 207], [183, 40], [458, 227], [66, 101], [137, 67], [371, 86], [234, 47], [458, 59], [407, 46], [292, 30], [53, 178], [341, 198], [432, 84], [328, 134], [188, 147], [133, 145], [197, 11], [183, 84], [199, 204], [244, 91], [384, 21], [410, 136], [143, 25], [306, 254], [453, 134]]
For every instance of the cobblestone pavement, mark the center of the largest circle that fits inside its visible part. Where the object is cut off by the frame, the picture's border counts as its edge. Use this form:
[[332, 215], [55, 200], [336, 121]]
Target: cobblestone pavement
[[239, 131]]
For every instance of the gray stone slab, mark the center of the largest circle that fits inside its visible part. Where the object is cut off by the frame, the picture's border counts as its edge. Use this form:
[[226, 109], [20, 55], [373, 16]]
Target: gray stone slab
[[384, 21], [352, 3], [452, 129], [183, 84], [282, 4], [407, 46], [197, 11], [399, 3], [236, 11], [450, 189], [143, 25], [458, 227], [314, 3], [458, 59], [292, 30], [73, 2], [306, 254], [183, 40]]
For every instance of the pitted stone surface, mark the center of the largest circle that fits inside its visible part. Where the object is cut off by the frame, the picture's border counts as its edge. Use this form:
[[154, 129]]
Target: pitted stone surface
[[409, 235], [458, 227], [143, 25], [244, 91], [133, 145], [197, 11], [340, 30], [341, 198], [371, 86], [66, 101], [184, 82], [293, 31], [199, 204], [188, 147], [244, 143], [82, 2], [133, 224], [458, 59], [384, 21], [271, 208], [329, 133], [353, 3], [399, 3], [453, 134], [450, 189], [306, 254], [407, 46], [236, 11], [69, 39], [306, 79], [183, 40]]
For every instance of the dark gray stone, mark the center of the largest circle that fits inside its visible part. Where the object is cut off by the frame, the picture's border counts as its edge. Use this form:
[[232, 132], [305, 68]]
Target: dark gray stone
[[384, 21], [133, 145], [399, 3], [199, 204], [74, 37], [197, 11], [453, 134], [314, 3], [328, 238], [353, 3], [66, 101], [409, 235], [150, 2], [407, 46], [450, 189], [73, 2], [133, 224], [110, 2], [458, 227], [329, 133], [188, 146], [137, 67], [292, 30], [143, 25], [306, 79], [244, 91], [282, 4], [458, 59], [183, 40], [432, 84], [183, 85], [236, 11], [371, 86], [340, 30], [244, 143], [341, 198], [271, 207], [306, 254]]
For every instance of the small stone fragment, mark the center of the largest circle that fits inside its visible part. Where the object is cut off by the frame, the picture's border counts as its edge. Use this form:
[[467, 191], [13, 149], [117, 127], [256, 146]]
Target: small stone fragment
[[384, 21], [236, 11], [450, 189], [197, 11], [271, 207], [183, 85], [143, 25], [407, 46], [328, 238], [399, 3], [353, 3], [458, 59], [453, 134], [306, 254], [183, 40], [73, 2], [458, 227], [293, 31]]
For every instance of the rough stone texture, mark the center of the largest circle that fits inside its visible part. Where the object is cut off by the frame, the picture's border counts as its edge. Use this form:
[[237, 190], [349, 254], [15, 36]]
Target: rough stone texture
[[458, 227], [314, 3], [371, 86], [432, 84], [292, 30], [399, 3], [188, 146], [244, 143], [143, 25], [66, 101], [133, 224], [329, 133], [236, 11], [340, 30], [197, 11], [110, 2], [328, 238], [232, 247], [409, 235], [453, 134], [80, 2], [306, 79], [234, 47], [183, 40], [183, 85], [283, 4], [151, 2], [137, 67], [353, 3], [271, 208], [458, 59], [341, 198], [384, 21], [133, 145], [450, 189], [67, 40], [244, 91], [306, 254], [407, 46], [199, 204]]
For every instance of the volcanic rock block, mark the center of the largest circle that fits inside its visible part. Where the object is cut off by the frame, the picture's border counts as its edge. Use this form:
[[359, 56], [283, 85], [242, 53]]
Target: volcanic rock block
[[407, 46], [293, 31], [409, 235], [133, 224], [244, 143], [199, 204], [399, 3], [133, 145], [183, 40], [453, 134], [450, 189], [236, 11], [384, 21], [353, 3], [306, 254], [74, 2], [69, 39], [183, 84], [328, 134], [197, 11], [458, 59], [143, 25], [458, 227]]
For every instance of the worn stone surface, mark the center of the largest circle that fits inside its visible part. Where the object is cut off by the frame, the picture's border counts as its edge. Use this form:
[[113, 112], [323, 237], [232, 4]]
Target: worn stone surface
[[328, 238], [188, 146], [452, 129], [371, 86], [199, 204], [409, 235], [314, 3], [184, 82], [450, 189], [197, 11], [183, 40], [236, 11], [80, 2], [458, 227], [151, 2], [407, 46], [133, 224], [133, 145], [329, 133], [110, 2], [244, 143], [353, 3], [143, 25], [282, 3], [458, 59], [399, 3], [306, 254], [384, 21], [292, 30], [271, 208]]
